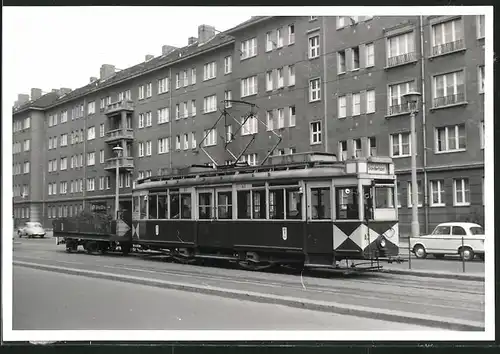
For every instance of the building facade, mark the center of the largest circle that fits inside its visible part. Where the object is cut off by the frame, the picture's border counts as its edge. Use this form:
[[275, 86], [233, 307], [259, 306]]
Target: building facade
[[331, 84]]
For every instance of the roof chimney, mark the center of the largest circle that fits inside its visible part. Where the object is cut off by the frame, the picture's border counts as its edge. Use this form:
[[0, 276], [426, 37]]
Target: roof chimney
[[22, 98], [107, 70], [149, 57], [92, 79], [36, 93], [205, 33], [192, 40], [167, 49], [55, 91]]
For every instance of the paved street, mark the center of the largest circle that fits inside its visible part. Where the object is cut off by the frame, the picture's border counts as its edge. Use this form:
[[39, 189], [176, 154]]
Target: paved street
[[48, 300], [444, 298]]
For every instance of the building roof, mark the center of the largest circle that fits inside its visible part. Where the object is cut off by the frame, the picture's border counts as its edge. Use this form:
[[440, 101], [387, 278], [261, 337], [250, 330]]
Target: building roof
[[48, 100], [251, 21]]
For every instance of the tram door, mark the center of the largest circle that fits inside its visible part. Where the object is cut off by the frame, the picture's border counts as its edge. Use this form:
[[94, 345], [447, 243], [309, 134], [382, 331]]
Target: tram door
[[319, 226]]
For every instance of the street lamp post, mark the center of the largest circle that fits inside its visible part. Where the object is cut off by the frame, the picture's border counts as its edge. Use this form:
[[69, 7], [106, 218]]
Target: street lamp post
[[117, 150], [412, 101]]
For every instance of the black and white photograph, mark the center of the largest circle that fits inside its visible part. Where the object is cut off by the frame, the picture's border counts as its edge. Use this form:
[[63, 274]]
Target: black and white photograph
[[248, 173]]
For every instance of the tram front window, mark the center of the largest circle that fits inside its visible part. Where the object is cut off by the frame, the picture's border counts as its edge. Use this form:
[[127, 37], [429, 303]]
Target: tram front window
[[320, 203], [347, 203], [384, 197]]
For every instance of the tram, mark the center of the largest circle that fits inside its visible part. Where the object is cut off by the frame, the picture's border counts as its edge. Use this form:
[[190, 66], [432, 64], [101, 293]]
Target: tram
[[302, 210]]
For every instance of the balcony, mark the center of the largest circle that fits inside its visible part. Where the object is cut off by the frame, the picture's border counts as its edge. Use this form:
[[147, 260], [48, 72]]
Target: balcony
[[398, 109], [449, 47], [115, 135], [401, 59], [118, 106], [449, 100], [125, 163]]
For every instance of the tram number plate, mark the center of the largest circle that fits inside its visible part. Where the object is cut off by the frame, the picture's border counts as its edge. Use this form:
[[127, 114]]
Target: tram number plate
[[284, 233]]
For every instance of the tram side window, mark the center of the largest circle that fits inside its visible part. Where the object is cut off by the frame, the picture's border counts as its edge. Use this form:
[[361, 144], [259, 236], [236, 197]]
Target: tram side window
[[384, 197], [174, 205], [135, 203], [143, 206], [205, 205], [153, 207], [320, 203], [293, 204], [224, 205], [186, 206], [347, 203], [162, 206], [259, 204], [276, 204], [244, 205]]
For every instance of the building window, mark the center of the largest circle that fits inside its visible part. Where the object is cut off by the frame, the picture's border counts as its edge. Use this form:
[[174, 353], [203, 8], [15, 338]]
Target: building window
[[141, 120], [419, 194], [249, 48], [314, 90], [193, 76], [228, 98], [356, 104], [141, 92], [63, 187], [281, 78], [64, 163], [291, 34], [448, 89], [279, 37], [461, 192], [269, 81], [90, 108], [193, 108], [210, 104], [480, 27], [341, 62], [342, 106], [177, 142], [185, 78], [90, 184], [343, 150], [163, 85], [91, 159], [270, 120], [209, 71], [281, 118], [149, 119], [177, 80], [370, 54], [437, 193], [185, 141], [193, 140], [101, 183], [341, 22], [185, 113], [269, 42], [370, 101], [101, 130], [481, 78], [447, 37], [121, 96], [401, 49], [162, 145], [313, 47], [163, 115], [26, 167], [91, 133], [228, 65], [291, 75], [64, 116], [148, 148], [149, 89], [140, 147], [482, 135], [210, 137], [177, 111], [400, 145], [291, 116], [396, 102], [250, 126], [27, 143], [315, 133], [357, 147], [372, 146], [355, 58], [451, 138], [249, 86], [101, 156]]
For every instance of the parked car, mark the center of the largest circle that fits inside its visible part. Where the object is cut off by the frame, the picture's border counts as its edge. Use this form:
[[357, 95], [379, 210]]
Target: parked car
[[31, 229], [450, 238]]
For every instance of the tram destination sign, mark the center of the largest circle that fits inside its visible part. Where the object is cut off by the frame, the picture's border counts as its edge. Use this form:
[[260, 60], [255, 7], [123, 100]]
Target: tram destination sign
[[378, 168]]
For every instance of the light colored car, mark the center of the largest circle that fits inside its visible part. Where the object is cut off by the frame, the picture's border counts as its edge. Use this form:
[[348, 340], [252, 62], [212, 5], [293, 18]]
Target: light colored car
[[31, 229], [451, 238]]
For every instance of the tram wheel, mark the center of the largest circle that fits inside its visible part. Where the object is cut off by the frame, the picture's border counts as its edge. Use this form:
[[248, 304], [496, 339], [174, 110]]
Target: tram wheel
[[255, 266]]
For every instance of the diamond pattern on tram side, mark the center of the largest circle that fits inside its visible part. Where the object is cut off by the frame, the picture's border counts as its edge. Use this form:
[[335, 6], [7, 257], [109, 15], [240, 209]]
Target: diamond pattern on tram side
[[342, 231], [379, 227], [349, 245]]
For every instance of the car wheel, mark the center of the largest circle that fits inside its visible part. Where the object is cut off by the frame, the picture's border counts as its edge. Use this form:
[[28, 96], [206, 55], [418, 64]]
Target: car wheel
[[19, 233], [419, 251], [467, 254]]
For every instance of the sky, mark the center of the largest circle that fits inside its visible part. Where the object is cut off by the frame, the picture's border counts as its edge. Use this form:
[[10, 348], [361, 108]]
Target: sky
[[54, 47]]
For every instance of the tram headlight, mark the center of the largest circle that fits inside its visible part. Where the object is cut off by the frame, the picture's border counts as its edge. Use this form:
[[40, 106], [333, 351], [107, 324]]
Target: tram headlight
[[382, 242]]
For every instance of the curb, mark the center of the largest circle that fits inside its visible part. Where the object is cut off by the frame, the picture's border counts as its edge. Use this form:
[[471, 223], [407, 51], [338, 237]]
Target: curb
[[324, 306], [432, 274]]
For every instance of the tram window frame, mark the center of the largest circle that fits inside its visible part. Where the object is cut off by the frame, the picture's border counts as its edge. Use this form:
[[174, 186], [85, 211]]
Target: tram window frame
[[189, 206], [261, 206], [228, 215], [143, 207], [181, 196], [247, 209], [135, 204], [390, 198], [279, 204], [324, 191], [164, 215], [210, 206], [293, 190], [355, 214], [152, 204]]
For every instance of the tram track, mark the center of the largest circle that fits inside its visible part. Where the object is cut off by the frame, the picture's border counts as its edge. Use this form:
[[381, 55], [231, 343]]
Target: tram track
[[447, 298]]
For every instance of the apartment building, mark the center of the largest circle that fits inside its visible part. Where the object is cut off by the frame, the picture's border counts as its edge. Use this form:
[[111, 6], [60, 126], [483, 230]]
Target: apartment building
[[330, 84]]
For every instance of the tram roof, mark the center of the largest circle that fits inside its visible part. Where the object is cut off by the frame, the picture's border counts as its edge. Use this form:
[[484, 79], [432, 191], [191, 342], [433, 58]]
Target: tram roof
[[279, 163]]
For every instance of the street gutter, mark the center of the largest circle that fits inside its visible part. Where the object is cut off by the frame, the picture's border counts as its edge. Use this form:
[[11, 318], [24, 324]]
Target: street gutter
[[434, 274], [302, 303]]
